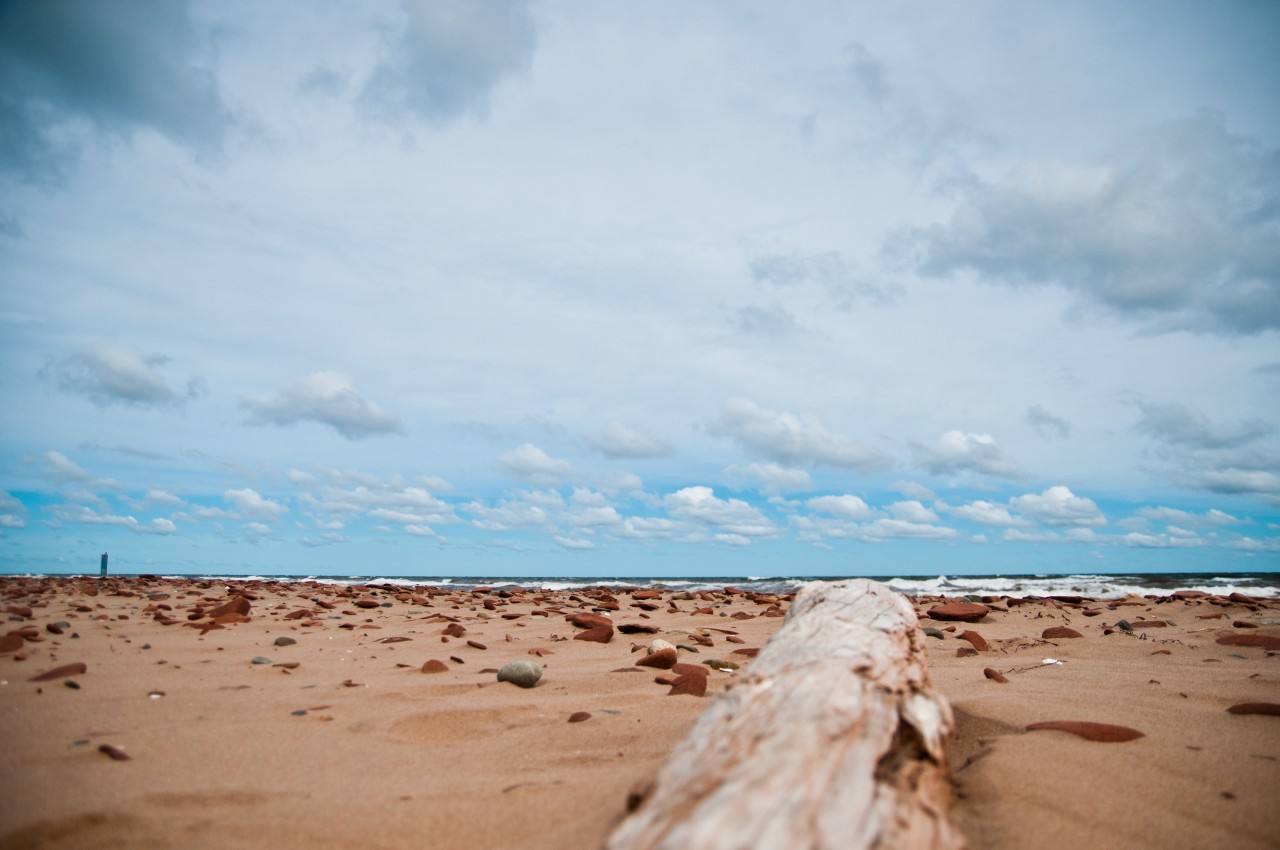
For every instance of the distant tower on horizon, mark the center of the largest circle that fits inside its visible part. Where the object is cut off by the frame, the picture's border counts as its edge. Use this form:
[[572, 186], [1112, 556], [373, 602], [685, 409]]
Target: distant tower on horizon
[[103, 572]]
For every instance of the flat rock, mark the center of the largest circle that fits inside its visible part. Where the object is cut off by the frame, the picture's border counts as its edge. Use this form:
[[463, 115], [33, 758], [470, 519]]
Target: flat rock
[[114, 753], [475, 644], [663, 659], [689, 684], [1058, 632], [454, 630], [597, 634], [976, 640], [1260, 641], [260, 659], [76, 669], [523, 673], [1256, 708], [637, 628], [579, 716], [966, 612], [1102, 732]]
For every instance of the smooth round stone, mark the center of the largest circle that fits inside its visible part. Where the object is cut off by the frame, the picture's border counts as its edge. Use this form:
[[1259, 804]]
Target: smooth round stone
[[258, 659], [285, 641], [523, 673]]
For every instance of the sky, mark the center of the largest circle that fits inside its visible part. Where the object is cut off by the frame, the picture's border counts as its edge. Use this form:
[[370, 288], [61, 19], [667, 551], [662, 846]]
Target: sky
[[721, 288]]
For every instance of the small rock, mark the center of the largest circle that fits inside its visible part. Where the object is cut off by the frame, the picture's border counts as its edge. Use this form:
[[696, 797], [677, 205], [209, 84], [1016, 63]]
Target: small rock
[[435, 666], [968, 612], [114, 753], [1058, 632], [717, 664], [579, 716], [663, 659], [1102, 732], [658, 644], [1256, 708], [260, 659], [690, 684], [965, 652], [995, 675], [1260, 641], [933, 633], [285, 641], [978, 641], [76, 669], [1124, 626], [597, 634], [475, 644], [523, 673]]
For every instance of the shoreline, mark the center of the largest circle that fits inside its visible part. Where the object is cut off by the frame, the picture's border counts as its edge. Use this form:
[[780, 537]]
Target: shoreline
[[385, 754]]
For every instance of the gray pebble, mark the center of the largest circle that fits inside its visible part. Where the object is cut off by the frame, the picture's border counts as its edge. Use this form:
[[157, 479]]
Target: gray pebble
[[523, 673], [933, 633], [1124, 626], [258, 659], [285, 641]]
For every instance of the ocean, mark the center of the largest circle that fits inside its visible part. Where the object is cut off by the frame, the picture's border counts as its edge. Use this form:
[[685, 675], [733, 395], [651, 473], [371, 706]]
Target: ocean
[[1085, 584]]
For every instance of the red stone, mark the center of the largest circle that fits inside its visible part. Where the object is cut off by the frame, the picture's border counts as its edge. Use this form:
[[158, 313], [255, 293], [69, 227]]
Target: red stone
[[1102, 732], [663, 659], [11, 642], [1256, 708], [598, 634], [454, 630], [434, 666], [1243, 624], [115, 753], [475, 644], [691, 670], [978, 641], [1058, 632], [750, 652], [965, 651], [967, 612], [365, 602], [1149, 624], [585, 620], [62, 672], [688, 684], [637, 628], [994, 675], [579, 716], [1260, 641], [236, 605]]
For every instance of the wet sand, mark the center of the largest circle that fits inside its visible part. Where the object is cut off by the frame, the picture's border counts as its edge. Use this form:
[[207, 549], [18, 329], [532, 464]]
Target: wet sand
[[356, 746]]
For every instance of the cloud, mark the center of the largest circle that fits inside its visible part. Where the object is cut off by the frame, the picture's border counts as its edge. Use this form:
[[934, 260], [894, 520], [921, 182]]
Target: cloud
[[88, 516], [774, 320], [1160, 541], [912, 511], [109, 374], [1179, 425], [250, 503], [986, 513], [957, 452], [1178, 231], [448, 58], [60, 468], [619, 441], [1046, 423], [322, 81], [328, 398], [1059, 506], [789, 439], [831, 272], [846, 506], [885, 529], [1250, 482], [772, 478], [732, 516], [573, 543], [1211, 517], [912, 490], [117, 68], [531, 463]]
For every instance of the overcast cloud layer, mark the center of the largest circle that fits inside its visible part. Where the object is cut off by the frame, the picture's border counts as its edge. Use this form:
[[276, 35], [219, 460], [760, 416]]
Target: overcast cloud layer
[[519, 288]]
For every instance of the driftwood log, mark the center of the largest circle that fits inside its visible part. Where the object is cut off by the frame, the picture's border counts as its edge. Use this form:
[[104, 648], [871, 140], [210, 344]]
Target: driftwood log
[[832, 738]]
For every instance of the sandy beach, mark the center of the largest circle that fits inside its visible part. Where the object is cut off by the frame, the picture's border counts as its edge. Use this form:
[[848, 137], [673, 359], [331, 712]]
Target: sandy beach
[[273, 714]]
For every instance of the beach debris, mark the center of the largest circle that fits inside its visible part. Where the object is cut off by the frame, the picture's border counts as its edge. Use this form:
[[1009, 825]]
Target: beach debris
[[1105, 733], [1048, 662], [1057, 632], [523, 673], [718, 664], [579, 716], [967, 612], [1256, 708], [76, 669]]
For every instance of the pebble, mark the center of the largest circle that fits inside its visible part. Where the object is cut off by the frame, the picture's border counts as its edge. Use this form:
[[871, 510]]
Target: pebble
[[261, 659], [978, 641], [933, 633], [115, 753], [435, 666], [1256, 708], [659, 644], [690, 684], [965, 652], [475, 644], [76, 669], [1124, 626], [579, 716], [995, 675], [717, 664], [968, 612], [454, 630], [1102, 732], [523, 673], [663, 659], [285, 641], [597, 634], [1060, 632]]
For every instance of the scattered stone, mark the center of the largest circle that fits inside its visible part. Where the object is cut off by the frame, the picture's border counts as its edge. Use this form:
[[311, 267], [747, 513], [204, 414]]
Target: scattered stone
[[596, 634], [288, 665], [261, 659], [1260, 641], [1270, 708], [1057, 632], [72, 684], [76, 669], [690, 684], [1149, 624], [663, 659], [523, 673], [995, 675], [579, 716], [115, 753], [435, 666], [454, 630], [1124, 626], [637, 628], [284, 641], [933, 633], [965, 652], [717, 664], [366, 603], [659, 644], [1102, 732], [475, 644], [1243, 624], [301, 712], [967, 612], [978, 641]]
